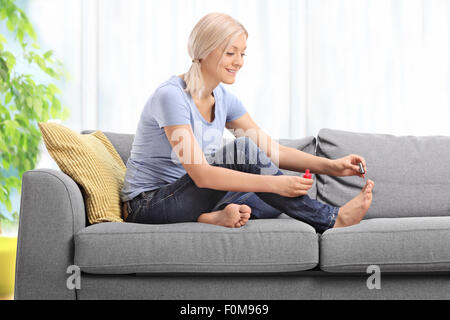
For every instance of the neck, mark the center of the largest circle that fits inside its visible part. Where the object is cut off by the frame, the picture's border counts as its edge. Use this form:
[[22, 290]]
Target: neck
[[210, 84]]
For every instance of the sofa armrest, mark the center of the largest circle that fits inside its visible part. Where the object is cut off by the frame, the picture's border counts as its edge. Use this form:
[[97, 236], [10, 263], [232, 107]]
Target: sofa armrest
[[51, 212]]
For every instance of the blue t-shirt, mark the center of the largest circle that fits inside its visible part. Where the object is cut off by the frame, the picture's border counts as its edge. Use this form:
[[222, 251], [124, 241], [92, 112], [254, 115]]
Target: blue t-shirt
[[153, 163]]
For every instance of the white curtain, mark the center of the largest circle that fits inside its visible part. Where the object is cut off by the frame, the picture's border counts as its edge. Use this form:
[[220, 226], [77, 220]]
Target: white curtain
[[358, 65], [142, 43], [379, 66]]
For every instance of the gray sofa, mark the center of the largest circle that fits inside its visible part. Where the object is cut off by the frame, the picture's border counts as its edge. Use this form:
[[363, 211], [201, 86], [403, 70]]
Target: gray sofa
[[406, 234]]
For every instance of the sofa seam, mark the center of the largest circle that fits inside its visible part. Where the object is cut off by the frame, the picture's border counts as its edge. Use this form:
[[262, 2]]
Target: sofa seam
[[188, 232], [382, 263], [373, 232], [198, 264], [197, 232]]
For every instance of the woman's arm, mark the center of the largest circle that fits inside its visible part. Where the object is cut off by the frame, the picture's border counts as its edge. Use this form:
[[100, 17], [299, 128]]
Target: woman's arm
[[183, 142], [284, 157], [296, 160], [293, 159]]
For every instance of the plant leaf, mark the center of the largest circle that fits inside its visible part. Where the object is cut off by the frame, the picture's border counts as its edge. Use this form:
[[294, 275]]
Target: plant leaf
[[3, 70], [55, 108], [48, 54], [8, 97]]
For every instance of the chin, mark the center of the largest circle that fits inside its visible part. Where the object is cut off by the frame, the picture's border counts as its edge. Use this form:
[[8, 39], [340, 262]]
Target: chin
[[227, 80]]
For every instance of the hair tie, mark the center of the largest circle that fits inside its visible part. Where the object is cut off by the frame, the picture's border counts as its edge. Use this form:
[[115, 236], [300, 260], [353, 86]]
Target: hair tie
[[195, 60]]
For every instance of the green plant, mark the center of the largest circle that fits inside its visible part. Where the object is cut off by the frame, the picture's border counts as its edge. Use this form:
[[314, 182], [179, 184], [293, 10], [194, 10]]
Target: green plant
[[24, 100]]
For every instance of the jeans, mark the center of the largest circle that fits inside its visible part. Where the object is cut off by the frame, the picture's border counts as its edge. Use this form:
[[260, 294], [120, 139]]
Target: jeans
[[183, 201]]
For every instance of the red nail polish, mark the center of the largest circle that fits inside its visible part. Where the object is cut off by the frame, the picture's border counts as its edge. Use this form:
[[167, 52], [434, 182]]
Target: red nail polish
[[307, 175]]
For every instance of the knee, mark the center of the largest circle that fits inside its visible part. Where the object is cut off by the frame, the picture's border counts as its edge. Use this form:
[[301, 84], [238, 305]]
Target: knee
[[241, 140], [245, 144], [246, 150]]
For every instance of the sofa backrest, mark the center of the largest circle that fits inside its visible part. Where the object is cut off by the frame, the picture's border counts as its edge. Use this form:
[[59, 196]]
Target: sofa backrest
[[123, 143], [411, 173], [308, 145]]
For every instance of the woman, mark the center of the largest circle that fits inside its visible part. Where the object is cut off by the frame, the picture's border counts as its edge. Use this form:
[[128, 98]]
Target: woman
[[178, 171]]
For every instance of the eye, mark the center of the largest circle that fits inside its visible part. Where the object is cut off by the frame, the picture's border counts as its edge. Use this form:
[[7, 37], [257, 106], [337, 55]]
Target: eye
[[232, 53]]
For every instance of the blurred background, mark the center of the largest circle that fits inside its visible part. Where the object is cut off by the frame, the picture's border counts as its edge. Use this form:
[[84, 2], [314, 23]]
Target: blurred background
[[360, 65], [379, 66]]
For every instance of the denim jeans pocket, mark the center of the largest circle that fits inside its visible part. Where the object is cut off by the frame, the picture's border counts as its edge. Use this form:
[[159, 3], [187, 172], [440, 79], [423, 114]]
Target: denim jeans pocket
[[135, 207], [129, 212], [148, 195], [143, 211], [156, 199]]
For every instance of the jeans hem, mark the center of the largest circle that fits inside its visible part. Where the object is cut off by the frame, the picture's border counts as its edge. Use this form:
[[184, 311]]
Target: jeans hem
[[333, 217]]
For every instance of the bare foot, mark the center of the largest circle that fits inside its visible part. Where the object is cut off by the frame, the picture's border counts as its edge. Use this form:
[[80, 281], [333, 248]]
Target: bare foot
[[354, 210], [244, 211], [232, 216]]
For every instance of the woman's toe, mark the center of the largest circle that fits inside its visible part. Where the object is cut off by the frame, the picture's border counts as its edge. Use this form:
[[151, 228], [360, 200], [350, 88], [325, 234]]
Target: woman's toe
[[245, 209]]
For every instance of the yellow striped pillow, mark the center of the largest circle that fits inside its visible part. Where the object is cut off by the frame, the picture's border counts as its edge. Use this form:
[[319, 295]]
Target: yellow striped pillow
[[93, 162]]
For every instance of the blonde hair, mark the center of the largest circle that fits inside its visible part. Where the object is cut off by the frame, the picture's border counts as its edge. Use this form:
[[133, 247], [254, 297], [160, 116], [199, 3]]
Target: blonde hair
[[210, 32]]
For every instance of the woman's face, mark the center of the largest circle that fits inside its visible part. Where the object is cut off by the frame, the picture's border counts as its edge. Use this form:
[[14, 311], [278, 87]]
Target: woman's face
[[232, 61]]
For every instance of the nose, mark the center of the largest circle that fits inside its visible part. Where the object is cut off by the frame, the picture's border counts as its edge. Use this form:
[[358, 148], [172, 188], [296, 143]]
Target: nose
[[238, 60]]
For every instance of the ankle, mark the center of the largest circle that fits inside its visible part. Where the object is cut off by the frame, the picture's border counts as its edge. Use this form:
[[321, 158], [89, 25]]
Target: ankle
[[339, 220], [204, 217]]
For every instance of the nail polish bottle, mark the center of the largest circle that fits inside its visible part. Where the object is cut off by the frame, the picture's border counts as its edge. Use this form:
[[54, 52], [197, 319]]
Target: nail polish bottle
[[361, 170], [307, 175]]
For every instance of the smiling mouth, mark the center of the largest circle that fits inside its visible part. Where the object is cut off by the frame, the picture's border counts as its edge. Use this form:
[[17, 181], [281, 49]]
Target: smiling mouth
[[231, 71]]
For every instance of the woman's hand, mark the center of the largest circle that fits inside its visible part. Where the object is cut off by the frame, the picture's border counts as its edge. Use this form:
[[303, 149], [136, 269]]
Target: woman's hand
[[292, 186], [347, 166]]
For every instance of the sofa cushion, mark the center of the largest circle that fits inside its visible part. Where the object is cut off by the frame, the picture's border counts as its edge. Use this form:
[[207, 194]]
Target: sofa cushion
[[410, 172], [92, 162], [394, 244], [266, 245]]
